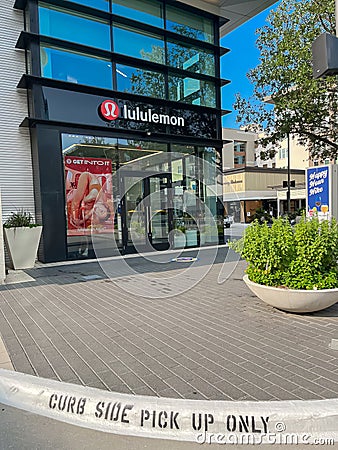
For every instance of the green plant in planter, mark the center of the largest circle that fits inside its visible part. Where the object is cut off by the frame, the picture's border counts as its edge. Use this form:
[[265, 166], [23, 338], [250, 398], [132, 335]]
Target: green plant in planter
[[21, 218], [180, 229], [300, 257]]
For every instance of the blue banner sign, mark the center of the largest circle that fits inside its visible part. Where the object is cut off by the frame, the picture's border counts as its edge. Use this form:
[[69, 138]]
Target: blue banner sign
[[318, 191]]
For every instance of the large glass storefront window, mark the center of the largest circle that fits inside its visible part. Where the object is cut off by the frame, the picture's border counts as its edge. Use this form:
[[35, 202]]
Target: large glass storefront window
[[191, 90], [64, 24], [140, 81], [136, 195], [194, 196], [85, 67], [191, 58], [189, 24], [145, 11], [75, 67], [97, 171], [138, 44]]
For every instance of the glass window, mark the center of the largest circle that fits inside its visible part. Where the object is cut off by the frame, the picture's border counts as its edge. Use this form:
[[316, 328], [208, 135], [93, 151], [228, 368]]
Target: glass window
[[239, 160], [283, 153], [76, 68], [189, 24], [191, 90], [239, 146], [138, 44], [191, 58], [92, 192], [145, 11], [74, 28], [140, 81], [98, 4]]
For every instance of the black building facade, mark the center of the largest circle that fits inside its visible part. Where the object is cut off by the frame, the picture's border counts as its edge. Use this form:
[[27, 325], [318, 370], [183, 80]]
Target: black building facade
[[123, 105]]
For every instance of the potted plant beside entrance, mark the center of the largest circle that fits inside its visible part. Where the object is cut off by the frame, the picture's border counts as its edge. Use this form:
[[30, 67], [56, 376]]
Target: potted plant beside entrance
[[22, 237], [292, 268]]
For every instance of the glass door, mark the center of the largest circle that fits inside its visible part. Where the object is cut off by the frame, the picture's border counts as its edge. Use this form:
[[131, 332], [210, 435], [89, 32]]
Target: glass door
[[158, 209], [147, 211]]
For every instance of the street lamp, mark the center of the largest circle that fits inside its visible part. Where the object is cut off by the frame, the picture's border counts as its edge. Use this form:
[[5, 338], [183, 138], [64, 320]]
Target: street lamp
[[289, 176], [269, 99], [288, 184]]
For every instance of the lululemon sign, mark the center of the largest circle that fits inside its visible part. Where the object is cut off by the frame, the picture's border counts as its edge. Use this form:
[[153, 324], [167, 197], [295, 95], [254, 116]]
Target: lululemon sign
[[109, 110]]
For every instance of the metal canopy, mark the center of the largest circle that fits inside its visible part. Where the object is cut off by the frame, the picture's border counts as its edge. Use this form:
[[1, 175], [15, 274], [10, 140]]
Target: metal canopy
[[237, 11]]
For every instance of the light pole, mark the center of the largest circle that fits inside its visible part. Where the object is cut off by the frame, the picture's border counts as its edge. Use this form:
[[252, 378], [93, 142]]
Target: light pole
[[288, 194]]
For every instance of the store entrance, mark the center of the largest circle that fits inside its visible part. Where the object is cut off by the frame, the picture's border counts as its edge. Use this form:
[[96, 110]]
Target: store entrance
[[126, 196], [147, 211]]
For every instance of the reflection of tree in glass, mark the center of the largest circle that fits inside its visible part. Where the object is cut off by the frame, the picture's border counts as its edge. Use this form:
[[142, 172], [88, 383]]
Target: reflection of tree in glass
[[145, 82], [186, 30], [101, 149], [93, 140], [180, 88]]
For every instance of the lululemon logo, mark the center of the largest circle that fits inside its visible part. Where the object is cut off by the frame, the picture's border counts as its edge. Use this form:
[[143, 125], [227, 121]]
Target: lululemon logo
[[109, 110]]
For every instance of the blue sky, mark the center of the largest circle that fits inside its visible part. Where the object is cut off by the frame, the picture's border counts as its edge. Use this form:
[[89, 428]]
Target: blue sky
[[235, 64]]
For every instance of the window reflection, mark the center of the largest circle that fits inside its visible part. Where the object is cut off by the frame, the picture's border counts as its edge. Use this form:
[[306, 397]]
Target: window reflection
[[189, 24], [191, 58], [138, 44], [75, 68], [191, 90], [70, 27], [145, 11], [140, 81]]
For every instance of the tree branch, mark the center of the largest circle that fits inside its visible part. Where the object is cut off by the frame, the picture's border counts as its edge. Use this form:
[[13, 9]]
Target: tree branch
[[315, 137]]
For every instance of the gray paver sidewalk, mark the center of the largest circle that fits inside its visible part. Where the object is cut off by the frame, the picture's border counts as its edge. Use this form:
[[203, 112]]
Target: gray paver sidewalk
[[215, 341]]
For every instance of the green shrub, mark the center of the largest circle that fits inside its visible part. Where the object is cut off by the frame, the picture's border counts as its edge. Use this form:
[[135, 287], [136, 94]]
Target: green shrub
[[20, 218], [300, 257]]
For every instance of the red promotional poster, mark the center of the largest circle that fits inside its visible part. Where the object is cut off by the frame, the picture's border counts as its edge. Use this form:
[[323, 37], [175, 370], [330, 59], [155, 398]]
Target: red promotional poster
[[89, 195]]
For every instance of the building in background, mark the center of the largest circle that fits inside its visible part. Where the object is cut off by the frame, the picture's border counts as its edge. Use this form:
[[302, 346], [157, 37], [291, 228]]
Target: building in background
[[249, 189], [251, 183], [299, 155], [239, 149]]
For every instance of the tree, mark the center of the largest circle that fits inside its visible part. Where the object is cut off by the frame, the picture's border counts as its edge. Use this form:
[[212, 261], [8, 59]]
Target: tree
[[303, 106]]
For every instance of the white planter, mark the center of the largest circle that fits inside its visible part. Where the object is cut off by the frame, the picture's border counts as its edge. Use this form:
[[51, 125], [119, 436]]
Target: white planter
[[22, 245], [191, 236], [294, 300], [179, 240]]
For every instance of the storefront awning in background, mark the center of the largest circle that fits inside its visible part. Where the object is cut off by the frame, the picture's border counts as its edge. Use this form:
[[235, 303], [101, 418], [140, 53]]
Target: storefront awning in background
[[250, 195], [295, 194]]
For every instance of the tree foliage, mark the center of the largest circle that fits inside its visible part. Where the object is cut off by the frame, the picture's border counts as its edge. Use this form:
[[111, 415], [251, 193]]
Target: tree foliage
[[303, 106]]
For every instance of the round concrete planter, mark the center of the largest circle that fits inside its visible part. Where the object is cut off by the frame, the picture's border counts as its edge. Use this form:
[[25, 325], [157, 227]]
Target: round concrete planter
[[294, 300]]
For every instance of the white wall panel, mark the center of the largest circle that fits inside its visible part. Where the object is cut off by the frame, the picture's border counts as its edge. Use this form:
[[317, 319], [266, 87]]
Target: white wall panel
[[16, 179]]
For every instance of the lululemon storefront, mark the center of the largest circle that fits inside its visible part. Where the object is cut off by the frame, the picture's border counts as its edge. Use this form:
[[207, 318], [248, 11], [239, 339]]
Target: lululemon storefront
[[125, 125]]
